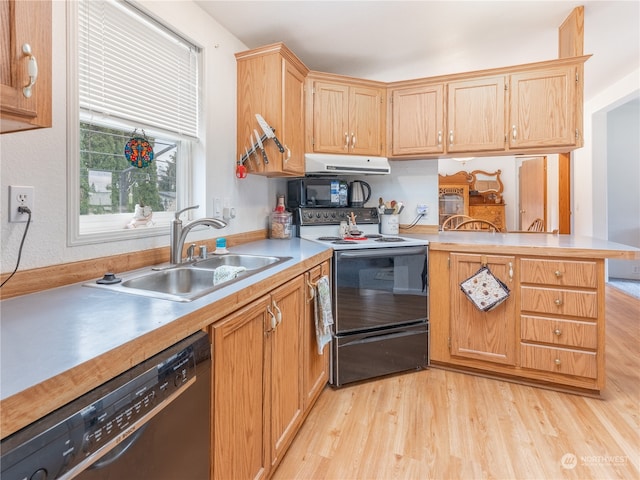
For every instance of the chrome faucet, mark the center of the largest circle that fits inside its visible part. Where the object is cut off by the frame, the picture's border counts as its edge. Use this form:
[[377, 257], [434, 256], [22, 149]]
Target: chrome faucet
[[179, 233]]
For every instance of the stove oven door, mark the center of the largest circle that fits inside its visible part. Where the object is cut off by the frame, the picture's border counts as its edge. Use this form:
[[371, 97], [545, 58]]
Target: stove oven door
[[361, 356], [379, 288]]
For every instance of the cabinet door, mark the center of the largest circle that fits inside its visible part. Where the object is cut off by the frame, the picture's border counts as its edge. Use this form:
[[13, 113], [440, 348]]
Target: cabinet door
[[488, 336], [542, 106], [239, 404], [417, 120], [284, 357], [292, 121], [330, 118], [271, 82], [316, 365], [475, 115], [24, 23], [365, 121]]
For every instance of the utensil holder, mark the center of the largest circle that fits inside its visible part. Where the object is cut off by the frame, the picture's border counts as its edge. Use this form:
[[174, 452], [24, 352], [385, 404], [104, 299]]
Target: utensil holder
[[389, 224]]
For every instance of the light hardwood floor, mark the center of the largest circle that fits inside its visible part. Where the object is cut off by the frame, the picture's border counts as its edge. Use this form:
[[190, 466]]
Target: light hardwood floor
[[437, 424]]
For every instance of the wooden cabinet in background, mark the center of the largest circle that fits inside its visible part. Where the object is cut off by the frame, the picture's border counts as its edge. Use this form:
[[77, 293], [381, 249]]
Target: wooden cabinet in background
[[543, 108], [346, 117], [452, 200], [25, 23], [493, 213], [476, 115], [271, 83], [417, 120]]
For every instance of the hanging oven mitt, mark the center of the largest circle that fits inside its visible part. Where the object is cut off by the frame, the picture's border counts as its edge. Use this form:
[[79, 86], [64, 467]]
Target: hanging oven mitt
[[485, 290]]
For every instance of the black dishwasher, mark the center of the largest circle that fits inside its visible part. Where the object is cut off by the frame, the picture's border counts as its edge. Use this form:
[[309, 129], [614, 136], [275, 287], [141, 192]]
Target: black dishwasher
[[151, 422]]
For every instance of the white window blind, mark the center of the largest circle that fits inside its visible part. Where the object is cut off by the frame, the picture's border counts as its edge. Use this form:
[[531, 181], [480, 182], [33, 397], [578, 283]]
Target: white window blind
[[134, 70]]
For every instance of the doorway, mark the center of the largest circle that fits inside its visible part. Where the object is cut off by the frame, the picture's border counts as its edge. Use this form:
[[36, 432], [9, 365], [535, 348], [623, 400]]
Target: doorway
[[532, 192]]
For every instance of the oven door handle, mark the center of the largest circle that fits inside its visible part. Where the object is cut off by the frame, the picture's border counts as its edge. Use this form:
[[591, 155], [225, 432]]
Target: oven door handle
[[382, 252]]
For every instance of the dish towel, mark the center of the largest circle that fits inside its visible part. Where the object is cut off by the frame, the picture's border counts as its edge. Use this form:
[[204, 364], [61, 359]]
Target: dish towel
[[485, 290], [323, 315], [224, 273]]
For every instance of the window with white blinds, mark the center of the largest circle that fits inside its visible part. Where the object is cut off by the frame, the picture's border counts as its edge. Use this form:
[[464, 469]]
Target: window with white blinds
[[134, 70]]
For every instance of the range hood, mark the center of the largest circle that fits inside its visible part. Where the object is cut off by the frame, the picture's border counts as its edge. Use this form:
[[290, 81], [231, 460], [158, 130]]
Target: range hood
[[326, 164]]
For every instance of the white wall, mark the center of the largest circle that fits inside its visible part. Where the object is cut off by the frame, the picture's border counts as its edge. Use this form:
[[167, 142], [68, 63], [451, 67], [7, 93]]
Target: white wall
[[623, 179], [38, 158], [589, 164]]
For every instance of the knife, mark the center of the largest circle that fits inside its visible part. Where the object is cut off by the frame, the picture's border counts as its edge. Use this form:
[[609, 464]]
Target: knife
[[264, 153], [268, 131]]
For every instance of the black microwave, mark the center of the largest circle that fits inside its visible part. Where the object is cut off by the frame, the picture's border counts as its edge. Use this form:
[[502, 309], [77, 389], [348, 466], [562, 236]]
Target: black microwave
[[316, 192]]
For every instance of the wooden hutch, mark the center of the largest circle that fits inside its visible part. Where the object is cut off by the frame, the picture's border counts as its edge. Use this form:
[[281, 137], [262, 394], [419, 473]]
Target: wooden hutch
[[477, 194]]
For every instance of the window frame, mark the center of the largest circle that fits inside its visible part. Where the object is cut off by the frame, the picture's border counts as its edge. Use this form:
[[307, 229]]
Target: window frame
[[186, 166]]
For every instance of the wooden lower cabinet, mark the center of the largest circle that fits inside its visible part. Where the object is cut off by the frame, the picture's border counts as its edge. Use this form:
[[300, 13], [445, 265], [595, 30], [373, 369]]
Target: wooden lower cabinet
[[316, 365], [486, 336], [266, 376], [550, 332], [239, 402]]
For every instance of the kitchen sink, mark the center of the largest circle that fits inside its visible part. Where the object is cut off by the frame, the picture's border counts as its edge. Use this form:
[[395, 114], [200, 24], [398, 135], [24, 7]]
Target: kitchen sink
[[250, 262], [186, 282]]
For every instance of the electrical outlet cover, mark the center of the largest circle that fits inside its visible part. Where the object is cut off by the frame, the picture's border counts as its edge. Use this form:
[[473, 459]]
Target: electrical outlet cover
[[20, 196]]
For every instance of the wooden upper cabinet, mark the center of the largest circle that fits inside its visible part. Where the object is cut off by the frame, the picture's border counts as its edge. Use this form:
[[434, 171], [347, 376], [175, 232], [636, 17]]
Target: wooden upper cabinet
[[271, 83], [475, 115], [417, 120], [347, 118], [25, 24], [330, 118], [542, 108]]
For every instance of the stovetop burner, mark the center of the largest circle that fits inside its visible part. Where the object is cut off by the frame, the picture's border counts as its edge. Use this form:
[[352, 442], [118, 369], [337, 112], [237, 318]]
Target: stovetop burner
[[329, 239], [373, 235], [390, 239]]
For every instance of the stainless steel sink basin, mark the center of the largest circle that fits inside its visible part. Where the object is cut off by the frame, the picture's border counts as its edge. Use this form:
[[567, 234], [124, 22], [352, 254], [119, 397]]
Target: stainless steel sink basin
[[250, 262], [176, 281], [187, 282]]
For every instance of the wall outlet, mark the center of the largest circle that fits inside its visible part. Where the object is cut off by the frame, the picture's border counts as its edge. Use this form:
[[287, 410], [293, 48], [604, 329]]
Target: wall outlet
[[20, 197], [422, 209]]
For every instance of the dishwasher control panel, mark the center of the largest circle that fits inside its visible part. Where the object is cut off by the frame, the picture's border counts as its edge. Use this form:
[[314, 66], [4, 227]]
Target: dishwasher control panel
[[89, 429]]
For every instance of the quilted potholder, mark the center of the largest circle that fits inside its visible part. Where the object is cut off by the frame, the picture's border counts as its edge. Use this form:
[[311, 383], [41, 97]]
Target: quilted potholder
[[485, 290]]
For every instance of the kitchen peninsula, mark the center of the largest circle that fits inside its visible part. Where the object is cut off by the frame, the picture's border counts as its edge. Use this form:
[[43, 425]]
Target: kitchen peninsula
[[550, 332]]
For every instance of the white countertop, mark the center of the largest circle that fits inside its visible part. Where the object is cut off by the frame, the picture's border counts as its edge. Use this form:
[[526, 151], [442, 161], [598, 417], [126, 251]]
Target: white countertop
[[543, 244], [49, 337], [45, 334]]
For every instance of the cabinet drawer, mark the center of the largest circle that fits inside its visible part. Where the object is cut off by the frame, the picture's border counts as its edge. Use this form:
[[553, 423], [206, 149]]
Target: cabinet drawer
[[559, 272], [571, 333], [559, 360], [559, 301]]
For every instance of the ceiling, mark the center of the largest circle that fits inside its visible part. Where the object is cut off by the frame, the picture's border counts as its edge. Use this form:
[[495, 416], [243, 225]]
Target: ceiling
[[398, 40]]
